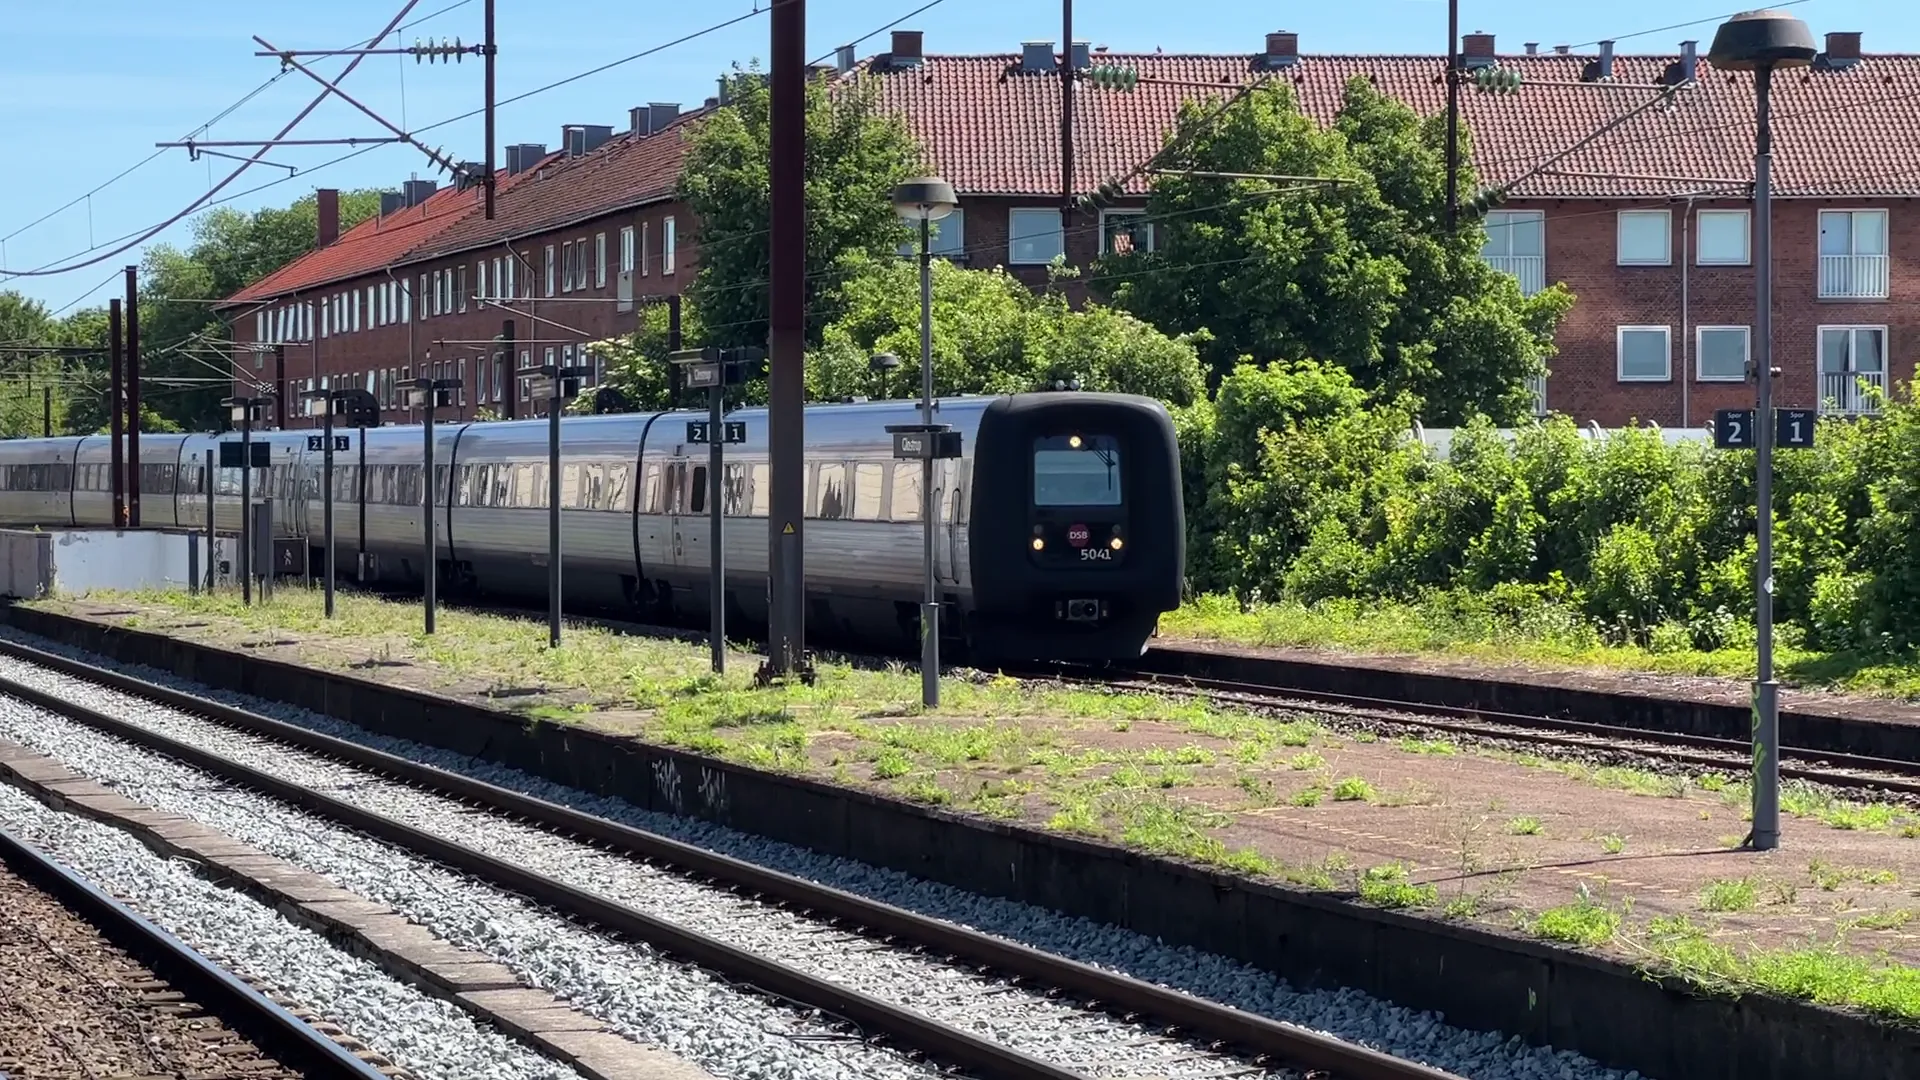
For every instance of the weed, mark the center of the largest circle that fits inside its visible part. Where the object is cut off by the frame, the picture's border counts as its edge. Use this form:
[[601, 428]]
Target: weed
[[1437, 747], [1306, 760], [1258, 788], [1525, 826], [1890, 919], [1414, 794], [1910, 832], [1353, 789], [1464, 906], [1582, 922], [1730, 894], [890, 763], [1613, 844], [1366, 737], [1387, 886], [925, 789], [1307, 796]]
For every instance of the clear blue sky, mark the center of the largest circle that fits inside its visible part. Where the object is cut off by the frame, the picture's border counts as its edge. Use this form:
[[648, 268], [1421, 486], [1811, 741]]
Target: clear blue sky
[[90, 87]]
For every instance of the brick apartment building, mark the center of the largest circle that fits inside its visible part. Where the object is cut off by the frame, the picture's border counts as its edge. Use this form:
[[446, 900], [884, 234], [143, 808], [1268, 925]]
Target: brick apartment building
[[1647, 222]]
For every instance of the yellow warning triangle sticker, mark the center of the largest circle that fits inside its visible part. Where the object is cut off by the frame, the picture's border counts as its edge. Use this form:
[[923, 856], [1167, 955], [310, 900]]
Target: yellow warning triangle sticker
[[789, 529]]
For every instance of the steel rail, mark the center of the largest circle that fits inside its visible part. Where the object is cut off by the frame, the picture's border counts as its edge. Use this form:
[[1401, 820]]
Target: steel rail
[[1107, 991], [272, 1029], [1548, 730]]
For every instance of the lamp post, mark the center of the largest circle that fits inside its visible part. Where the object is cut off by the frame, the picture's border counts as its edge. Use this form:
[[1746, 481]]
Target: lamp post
[[1760, 41], [926, 201], [427, 395], [882, 365], [359, 409], [562, 386], [241, 411]]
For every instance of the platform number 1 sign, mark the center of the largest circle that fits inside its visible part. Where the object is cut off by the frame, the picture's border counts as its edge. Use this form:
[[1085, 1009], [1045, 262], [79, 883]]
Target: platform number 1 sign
[[1793, 429]]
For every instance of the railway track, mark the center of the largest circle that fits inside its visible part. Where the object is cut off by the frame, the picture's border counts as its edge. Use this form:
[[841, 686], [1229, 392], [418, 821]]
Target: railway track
[[961, 997], [136, 978], [1703, 751]]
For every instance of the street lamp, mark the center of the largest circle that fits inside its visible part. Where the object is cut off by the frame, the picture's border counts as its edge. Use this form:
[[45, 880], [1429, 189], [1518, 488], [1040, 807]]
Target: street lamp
[[1760, 41], [562, 384], [926, 200], [241, 411], [360, 409], [882, 365], [429, 394]]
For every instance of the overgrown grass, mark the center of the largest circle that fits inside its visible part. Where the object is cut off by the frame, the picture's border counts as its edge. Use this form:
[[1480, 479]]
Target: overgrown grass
[[1821, 973], [1465, 626], [1582, 922]]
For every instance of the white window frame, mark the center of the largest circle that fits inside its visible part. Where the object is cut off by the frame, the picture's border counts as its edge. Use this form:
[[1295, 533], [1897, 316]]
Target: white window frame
[[1886, 227], [479, 282], [1701, 258], [260, 325], [626, 249], [600, 260], [1620, 357], [406, 301], [356, 310], [373, 309], [1746, 353], [1015, 235], [512, 262], [669, 240], [1153, 233], [646, 237], [1820, 372], [460, 287], [1619, 234], [549, 269]]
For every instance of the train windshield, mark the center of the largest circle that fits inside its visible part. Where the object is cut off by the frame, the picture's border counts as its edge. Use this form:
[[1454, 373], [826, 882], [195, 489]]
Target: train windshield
[[1076, 470]]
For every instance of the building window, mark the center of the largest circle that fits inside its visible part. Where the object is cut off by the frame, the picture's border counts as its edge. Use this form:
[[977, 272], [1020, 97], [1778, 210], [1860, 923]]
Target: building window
[[497, 278], [460, 285], [626, 250], [646, 237], [1517, 244], [326, 318], [1124, 232], [259, 326], [949, 238], [1724, 239], [599, 260], [1645, 353], [406, 301], [479, 282], [462, 376], [355, 321], [373, 316], [1720, 354], [549, 269], [1034, 237], [668, 242], [1645, 238], [1853, 368], [1853, 255], [566, 267], [512, 286]]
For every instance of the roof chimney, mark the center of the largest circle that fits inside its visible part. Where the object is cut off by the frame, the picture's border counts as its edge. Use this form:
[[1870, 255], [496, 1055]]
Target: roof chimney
[[524, 156], [326, 205], [1533, 48], [1036, 56], [1562, 50], [583, 139], [392, 202], [1082, 56], [418, 191], [1476, 50], [1843, 50], [1689, 60], [843, 59], [1602, 68], [662, 113], [638, 121], [906, 47], [1283, 49]]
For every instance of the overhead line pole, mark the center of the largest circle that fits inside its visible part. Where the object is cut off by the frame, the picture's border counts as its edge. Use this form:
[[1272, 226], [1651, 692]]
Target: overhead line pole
[[116, 415], [491, 50], [132, 376], [1066, 123], [786, 325], [1453, 113]]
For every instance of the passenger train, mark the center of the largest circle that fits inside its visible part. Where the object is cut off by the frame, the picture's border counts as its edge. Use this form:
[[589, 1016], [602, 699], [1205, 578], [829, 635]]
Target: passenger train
[[1060, 529]]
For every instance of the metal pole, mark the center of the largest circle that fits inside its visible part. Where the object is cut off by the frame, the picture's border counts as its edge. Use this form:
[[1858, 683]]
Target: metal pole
[[280, 387], [786, 325], [553, 511], [1766, 692], [46, 412], [716, 551], [246, 505], [360, 561], [326, 498], [1066, 122], [213, 534], [490, 50], [116, 408], [132, 376], [1453, 113], [930, 610], [511, 392], [433, 559]]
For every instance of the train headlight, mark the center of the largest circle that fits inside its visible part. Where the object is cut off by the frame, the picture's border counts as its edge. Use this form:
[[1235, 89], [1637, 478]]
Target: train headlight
[[1039, 544], [1073, 441], [1116, 543]]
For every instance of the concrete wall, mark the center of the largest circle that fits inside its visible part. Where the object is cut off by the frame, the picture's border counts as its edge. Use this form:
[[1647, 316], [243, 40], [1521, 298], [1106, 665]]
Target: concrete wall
[[74, 562]]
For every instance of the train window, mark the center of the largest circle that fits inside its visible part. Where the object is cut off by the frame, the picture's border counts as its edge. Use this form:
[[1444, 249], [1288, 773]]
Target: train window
[[617, 476], [697, 491], [37, 477], [906, 491], [676, 480], [831, 498], [733, 484], [868, 480], [760, 491], [1076, 470], [650, 489], [440, 485], [572, 485]]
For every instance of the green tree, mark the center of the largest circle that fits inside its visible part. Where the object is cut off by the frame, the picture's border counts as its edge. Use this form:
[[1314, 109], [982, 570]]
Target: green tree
[[1360, 272], [856, 153]]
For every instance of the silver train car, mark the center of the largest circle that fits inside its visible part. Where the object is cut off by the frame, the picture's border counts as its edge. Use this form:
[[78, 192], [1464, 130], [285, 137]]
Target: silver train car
[[1060, 532]]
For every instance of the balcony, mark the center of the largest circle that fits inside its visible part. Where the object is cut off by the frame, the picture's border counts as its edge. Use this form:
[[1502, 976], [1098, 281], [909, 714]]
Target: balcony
[[1852, 393], [1853, 277], [1530, 270]]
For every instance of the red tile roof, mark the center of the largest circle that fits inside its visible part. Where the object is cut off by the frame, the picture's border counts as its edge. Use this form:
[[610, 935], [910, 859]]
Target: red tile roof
[[375, 243], [991, 129], [623, 172]]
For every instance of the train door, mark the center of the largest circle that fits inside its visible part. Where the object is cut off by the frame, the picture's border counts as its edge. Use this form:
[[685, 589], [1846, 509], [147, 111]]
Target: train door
[[693, 529], [948, 489], [674, 496]]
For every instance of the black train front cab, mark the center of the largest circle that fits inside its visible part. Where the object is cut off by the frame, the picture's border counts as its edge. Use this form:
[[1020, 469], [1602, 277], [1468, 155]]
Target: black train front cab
[[1078, 536]]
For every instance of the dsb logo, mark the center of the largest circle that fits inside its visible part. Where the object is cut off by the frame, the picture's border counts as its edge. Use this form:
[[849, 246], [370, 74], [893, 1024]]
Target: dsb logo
[[1077, 535]]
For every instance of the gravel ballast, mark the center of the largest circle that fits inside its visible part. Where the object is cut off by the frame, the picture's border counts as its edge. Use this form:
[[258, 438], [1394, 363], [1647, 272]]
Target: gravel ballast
[[427, 1036], [1348, 1014]]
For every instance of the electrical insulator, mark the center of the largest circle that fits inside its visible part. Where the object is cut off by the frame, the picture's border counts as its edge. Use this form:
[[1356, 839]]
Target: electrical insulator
[[1484, 200], [1496, 80], [1114, 77]]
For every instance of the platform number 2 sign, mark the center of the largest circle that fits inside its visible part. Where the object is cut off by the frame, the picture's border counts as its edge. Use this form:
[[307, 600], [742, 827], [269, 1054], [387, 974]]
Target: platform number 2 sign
[[1733, 429]]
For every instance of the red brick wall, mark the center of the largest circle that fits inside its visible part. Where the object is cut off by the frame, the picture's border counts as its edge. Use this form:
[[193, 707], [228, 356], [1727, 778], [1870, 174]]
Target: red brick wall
[[1581, 249], [575, 317]]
